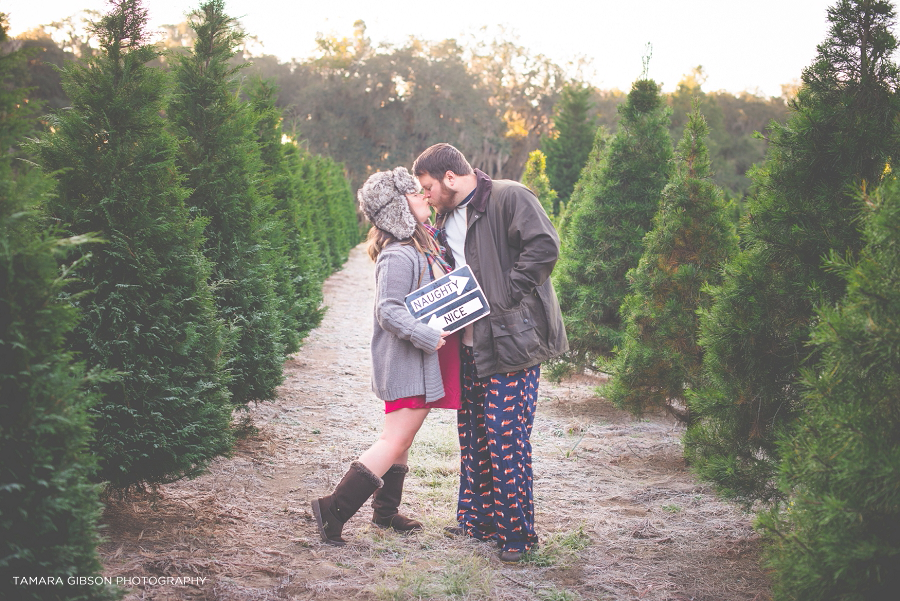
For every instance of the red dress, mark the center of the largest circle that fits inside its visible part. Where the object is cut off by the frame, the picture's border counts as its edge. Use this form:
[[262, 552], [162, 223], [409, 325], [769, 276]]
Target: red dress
[[448, 358]]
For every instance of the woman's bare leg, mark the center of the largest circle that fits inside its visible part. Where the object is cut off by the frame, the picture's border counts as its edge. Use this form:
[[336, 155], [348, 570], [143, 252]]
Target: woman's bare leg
[[400, 428]]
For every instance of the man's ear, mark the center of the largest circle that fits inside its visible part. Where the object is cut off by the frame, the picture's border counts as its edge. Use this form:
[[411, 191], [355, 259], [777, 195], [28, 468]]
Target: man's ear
[[450, 178]]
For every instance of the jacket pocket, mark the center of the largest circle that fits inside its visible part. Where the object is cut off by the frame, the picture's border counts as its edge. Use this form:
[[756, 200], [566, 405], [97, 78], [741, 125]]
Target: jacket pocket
[[516, 340]]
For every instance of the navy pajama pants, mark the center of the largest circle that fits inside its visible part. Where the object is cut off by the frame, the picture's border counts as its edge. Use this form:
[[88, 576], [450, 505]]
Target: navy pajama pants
[[495, 481]]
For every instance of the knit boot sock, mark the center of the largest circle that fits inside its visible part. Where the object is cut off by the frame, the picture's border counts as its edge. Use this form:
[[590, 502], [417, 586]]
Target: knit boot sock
[[333, 511], [386, 502]]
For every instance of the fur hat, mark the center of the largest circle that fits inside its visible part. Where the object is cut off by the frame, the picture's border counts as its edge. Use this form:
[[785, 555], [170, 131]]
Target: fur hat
[[383, 200]]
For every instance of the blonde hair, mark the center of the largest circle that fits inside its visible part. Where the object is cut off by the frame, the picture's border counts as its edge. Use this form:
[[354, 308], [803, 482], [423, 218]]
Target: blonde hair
[[421, 239]]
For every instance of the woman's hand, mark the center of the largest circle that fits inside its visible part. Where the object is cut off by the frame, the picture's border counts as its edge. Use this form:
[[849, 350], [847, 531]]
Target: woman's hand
[[442, 341]]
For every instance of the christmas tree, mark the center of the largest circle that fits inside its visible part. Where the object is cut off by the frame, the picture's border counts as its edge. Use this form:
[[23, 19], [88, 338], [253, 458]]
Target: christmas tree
[[604, 234], [838, 536], [221, 162], [147, 310], [692, 237], [535, 178], [843, 133], [48, 507], [568, 150]]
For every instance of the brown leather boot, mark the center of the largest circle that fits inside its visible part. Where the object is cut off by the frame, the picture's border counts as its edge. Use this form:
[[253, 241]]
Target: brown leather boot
[[386, 502], [333, 511]]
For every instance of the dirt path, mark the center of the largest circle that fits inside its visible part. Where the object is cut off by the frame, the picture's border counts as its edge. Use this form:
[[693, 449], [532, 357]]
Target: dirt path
[[618, 514]]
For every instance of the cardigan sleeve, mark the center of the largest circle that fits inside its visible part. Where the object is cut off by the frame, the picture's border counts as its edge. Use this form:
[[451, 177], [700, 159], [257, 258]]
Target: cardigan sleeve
[[396, 275]]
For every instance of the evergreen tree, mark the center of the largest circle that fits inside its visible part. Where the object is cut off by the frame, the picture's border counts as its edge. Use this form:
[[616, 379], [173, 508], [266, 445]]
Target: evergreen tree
[[328, 215], [315, 228], [304, 238], [603, 239], [276, 182], [722, 148], [220, 160], [843, 131], [333, 208], [692, 237], [339, 200], [535, 178], [48, 507], [149, 315], [568, 151], [839, 537], [588, 181]]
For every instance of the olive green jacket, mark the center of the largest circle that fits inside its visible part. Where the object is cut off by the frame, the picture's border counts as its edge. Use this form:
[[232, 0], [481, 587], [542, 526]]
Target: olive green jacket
[[512, 247]]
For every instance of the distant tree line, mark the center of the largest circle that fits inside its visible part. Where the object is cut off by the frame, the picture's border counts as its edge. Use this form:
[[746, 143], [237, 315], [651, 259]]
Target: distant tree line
[[375, 107], [162, 250]]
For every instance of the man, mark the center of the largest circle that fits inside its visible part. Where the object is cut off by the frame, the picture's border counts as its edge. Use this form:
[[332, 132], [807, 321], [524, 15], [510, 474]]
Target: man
[[498, 229]]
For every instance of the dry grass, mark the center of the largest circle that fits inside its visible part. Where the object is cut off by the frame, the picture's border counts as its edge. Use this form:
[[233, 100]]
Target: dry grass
[[618, 514]]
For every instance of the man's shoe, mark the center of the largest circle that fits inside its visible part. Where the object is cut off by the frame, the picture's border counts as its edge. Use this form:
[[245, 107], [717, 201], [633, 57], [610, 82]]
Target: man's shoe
[[511, 556], [516, 556], [454, 531]]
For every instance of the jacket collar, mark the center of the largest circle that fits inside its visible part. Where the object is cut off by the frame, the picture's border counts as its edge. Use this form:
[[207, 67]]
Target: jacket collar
[[482, 191], [483, 186]]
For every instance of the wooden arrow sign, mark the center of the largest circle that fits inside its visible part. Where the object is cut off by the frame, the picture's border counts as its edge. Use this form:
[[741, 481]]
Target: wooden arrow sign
[[450, 302]]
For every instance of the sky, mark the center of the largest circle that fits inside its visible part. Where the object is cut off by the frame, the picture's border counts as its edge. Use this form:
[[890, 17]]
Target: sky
[[755, 46]]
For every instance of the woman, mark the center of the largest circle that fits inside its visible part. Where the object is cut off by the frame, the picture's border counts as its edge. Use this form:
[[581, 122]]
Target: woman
[[414, 367]]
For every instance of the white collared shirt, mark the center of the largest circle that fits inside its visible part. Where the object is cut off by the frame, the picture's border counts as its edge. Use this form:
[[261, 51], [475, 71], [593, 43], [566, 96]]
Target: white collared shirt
[[455, 228]]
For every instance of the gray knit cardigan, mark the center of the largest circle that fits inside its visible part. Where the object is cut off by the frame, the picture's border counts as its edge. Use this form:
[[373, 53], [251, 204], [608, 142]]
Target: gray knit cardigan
[[404, 361]]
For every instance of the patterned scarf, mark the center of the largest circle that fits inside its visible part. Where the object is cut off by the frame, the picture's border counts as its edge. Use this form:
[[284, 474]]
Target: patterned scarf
[[439, 266]]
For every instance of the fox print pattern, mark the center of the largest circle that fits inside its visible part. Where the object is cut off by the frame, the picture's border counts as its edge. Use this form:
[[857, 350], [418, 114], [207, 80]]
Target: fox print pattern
[[495, 482]]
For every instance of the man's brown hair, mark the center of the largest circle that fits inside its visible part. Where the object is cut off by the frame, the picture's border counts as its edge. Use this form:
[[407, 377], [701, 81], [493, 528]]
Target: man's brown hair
[[437, 160]]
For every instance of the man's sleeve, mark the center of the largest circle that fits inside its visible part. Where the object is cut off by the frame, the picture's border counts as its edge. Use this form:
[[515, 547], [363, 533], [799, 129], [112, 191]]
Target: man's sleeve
[[529, 230]]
